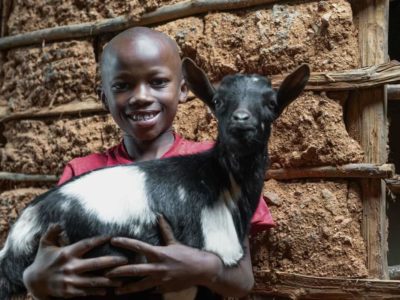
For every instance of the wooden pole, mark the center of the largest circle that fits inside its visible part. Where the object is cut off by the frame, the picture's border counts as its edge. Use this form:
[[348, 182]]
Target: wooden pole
[[27, 177], [393, 91], [162, 14], [297, 286], [5, 9], [394, 185], [367, 123], [344, 171]]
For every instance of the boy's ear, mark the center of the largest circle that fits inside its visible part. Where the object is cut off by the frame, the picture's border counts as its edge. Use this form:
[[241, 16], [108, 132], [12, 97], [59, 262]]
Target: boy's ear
[[292, 86], [102, 97], [198, 82]]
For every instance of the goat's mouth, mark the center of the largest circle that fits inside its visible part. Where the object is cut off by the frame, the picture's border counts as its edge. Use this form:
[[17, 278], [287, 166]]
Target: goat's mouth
[[242, 129]]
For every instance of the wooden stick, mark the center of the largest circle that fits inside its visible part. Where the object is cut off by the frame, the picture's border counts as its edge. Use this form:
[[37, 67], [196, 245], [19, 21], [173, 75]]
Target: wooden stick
[[393, 185], [367, 124], [368, 77], [298, 286], [393, 91], [27, 177], [345, 171], [5, 9], [394, 272], [73, 108], [351, 79], [162, 14]]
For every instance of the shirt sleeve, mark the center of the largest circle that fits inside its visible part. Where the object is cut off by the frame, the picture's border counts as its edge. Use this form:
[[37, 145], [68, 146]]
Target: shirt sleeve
[[262, 219], [67, 174]]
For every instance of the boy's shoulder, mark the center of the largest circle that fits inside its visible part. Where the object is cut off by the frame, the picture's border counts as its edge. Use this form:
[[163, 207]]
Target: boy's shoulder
[[115, 155], [183, 146]]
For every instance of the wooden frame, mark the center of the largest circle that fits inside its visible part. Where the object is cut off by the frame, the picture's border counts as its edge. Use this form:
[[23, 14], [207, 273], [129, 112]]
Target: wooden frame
[[367, 123]]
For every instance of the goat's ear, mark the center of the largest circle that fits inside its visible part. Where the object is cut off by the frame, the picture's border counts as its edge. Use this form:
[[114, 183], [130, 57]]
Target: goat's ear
[[198, 82], [292, 86]]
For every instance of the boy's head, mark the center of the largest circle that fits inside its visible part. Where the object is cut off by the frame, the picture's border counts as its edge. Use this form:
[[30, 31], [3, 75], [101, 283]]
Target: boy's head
[[142, 82]]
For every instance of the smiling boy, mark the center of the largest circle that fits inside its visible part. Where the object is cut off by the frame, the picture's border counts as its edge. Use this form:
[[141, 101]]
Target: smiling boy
[[142, 86]]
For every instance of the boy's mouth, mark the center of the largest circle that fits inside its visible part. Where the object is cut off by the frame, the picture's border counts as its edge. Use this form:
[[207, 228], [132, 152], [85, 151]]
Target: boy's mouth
[[144, 118]]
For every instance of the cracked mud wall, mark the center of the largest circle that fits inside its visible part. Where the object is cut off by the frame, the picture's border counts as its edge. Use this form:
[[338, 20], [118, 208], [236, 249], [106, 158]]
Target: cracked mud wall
[[268, 40]]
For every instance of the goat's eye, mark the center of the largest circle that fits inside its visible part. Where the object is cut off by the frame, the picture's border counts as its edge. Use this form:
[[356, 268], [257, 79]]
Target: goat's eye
[[218, 103], [271, 105]]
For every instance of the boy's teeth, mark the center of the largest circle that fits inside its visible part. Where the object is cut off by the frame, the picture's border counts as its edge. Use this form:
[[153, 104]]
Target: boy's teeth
[[143, 117]]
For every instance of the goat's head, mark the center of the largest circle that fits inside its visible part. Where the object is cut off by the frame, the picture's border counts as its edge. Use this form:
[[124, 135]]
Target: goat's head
[[245, 105]]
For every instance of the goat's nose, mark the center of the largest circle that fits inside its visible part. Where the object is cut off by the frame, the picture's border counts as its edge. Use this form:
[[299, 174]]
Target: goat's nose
[[241, 115]]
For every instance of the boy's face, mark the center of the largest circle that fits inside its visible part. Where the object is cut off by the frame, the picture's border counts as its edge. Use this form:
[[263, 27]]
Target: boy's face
[[142, 83]]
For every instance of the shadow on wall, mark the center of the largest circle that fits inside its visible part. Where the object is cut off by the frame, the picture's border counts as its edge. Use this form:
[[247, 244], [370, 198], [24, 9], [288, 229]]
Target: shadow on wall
[[394, 140]]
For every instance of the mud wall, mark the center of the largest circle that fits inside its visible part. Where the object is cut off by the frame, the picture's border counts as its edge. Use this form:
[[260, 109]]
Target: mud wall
[[318, 221]]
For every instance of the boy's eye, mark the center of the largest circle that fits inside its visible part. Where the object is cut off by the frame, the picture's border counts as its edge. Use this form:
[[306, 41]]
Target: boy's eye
[[159, 82], [119, 87]]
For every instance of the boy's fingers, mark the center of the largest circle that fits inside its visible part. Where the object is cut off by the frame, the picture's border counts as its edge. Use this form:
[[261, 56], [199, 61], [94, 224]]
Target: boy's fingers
[[96, 282], [104, 262], [138, 286], [51, 236], [166, 231], [135, 270], [80, 248], [135, 245], [72, 292]]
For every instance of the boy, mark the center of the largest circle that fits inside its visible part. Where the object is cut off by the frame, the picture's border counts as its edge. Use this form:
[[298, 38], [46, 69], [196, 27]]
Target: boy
[[142, 85]]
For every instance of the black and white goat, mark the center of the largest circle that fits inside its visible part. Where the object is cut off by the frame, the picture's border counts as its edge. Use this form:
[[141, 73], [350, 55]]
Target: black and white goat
[[208, 198]]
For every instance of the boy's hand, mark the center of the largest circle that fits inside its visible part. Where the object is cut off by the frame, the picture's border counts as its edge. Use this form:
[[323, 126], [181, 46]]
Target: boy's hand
[[171, 268], [60, 271]]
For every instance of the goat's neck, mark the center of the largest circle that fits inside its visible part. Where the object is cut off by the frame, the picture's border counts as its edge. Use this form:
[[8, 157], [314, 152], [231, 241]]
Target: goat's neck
[[243, 167]]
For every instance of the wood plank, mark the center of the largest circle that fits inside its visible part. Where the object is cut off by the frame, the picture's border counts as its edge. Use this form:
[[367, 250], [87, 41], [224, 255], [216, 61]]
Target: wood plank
[[298, 286], [393, 91], [162, 14], [367, 123], [5, 9], [344, 171], [394, 185], [19, 177]]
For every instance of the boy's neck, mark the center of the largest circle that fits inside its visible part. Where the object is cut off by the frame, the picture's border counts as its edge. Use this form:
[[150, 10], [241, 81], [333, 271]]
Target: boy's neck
[[147, 150]]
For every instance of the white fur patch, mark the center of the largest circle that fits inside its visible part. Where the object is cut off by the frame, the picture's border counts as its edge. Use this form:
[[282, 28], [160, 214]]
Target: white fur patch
[[114, 195], [23, 231], [182, 193], [188, 294], [220, 234]]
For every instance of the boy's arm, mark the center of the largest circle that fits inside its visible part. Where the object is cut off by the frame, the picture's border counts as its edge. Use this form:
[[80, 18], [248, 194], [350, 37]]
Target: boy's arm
[[61, 272], [176, 267]]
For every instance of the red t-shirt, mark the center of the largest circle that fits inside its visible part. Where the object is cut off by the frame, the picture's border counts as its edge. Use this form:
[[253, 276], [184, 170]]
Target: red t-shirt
[[118, 155]]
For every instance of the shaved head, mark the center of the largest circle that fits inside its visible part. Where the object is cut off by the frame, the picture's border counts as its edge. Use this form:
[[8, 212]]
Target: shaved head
[[140, 40]]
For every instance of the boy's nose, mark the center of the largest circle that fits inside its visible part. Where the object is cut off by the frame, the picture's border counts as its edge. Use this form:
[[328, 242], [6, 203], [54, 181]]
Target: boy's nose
[[140, 94]]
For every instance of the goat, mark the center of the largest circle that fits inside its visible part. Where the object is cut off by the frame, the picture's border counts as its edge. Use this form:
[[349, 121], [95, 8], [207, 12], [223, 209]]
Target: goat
[[217, 191]]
